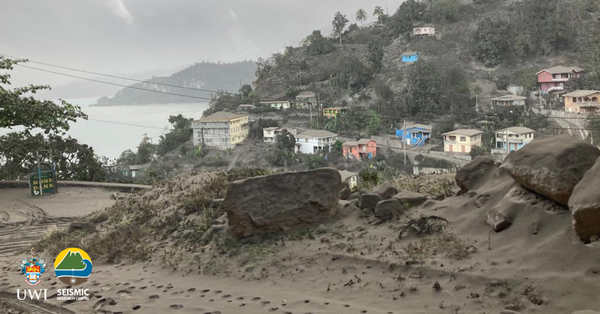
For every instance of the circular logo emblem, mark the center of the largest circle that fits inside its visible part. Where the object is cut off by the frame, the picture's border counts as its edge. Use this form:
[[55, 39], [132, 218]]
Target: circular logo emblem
[[73, 266]]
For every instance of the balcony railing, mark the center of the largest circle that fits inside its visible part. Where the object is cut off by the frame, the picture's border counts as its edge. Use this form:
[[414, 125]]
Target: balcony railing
[[510, 140], [553, 88], [560, 79]]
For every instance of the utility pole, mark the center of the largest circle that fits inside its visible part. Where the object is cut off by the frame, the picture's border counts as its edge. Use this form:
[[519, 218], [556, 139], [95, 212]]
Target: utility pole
[[506, 141], [404, 140], [319, 108], [310, 109], [39, 172]]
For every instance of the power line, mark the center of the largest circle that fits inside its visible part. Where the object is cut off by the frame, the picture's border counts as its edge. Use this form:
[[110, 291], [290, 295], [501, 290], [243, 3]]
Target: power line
[[128, 124], [115, 76]]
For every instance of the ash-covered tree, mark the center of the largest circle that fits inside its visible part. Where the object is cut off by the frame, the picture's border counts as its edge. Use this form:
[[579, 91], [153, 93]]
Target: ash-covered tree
[[409, 13], [339, 24], [283, 155], [423, 91], [145, 151], [491, 41], [375, 56], [180, 134], [380, 14], [361, 16], [316, 44], [18, 107]]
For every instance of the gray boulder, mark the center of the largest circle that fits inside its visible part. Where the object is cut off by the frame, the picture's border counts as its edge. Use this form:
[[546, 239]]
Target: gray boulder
[[386, 190], [498, 221], [585, 205], [369, 201], [552, 166], [409, 198], [345, 193], [386, 209], [279, 202], [471, 175]]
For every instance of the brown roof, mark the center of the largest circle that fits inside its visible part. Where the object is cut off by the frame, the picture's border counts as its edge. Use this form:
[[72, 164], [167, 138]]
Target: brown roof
[[316, 134], [509, 98], [418, 125], [306, 94], [222, 116], [581, 93], [562, 69], [517, 129], [468, 132], [409, 53]]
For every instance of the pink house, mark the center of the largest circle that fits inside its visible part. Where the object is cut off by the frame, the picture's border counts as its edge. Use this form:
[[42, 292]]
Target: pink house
[[364, 148], [554, 78]]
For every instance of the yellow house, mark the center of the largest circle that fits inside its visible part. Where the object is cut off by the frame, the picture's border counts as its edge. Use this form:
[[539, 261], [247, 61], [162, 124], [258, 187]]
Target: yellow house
[[221, 130], [333, 112], [582, 101], [461, 140]]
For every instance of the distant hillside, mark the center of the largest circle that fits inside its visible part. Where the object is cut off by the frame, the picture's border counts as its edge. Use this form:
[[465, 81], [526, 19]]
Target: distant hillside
[[206, 75]]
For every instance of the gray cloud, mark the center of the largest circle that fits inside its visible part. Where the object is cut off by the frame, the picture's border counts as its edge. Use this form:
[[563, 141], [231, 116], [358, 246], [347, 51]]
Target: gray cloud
[[132, 36]]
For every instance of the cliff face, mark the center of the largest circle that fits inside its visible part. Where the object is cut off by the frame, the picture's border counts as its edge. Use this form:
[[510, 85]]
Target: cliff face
[[211, 76]]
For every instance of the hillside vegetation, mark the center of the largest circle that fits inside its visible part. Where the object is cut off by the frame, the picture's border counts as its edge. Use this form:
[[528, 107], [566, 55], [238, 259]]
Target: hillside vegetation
[[479, 48]]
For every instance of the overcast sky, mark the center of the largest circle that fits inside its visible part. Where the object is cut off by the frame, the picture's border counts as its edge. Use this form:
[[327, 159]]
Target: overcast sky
[[133, 36]]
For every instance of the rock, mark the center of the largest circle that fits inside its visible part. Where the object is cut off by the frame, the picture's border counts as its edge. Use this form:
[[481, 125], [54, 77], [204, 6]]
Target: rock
[[353, 196], [552, 166], [386, 209], [216, 203], [481, 200], [83, 226], [498, 221], [472, 174], [369, 201], [322, 229], [409, 198], [279, 202], [509, 312], [585, 205], [386, 190], [212, 231], [345, 193], [586, 312]]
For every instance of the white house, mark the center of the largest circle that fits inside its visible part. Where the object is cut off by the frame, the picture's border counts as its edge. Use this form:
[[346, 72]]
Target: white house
[[270, 134], [424, 31], [511, 139], [349, 177], [508, 100], [277, 104], [313, 141]]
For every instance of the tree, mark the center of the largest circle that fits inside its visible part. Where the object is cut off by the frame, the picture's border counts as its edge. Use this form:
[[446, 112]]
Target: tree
[[375, 56], [145, 151], [20, 108], [338, 145], [245, 90], [339, 23], [490, 41], [443, 11], [315, 161], [373, 123], [127, 158], [73, 160], [361, 16], [286, 140], [423, 91], [380, 14], [409, 12], [180, 134], [317, 45]]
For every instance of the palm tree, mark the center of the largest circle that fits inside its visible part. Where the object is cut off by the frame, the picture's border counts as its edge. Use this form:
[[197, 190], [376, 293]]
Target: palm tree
[[361, 16], [378, 12]]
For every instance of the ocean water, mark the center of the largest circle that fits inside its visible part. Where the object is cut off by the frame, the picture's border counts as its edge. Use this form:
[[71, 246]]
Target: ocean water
[[112, 129]]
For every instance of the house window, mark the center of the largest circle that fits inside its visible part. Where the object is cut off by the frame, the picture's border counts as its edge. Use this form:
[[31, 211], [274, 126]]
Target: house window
[[463, 139], [305, 140]]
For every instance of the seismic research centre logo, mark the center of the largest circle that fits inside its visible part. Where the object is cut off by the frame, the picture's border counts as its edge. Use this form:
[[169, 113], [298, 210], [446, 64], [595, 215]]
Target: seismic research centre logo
[[73, 267]]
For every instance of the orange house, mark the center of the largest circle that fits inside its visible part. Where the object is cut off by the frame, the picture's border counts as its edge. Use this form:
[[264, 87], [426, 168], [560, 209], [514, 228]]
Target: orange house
[[364, 148]]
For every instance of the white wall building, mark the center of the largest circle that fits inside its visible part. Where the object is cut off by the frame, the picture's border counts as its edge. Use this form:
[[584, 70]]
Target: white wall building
[[512, 139], [270, 134], [313, 141], [424, 31]]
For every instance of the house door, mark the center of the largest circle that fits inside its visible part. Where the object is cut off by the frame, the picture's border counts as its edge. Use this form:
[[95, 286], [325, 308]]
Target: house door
[[462, 148]]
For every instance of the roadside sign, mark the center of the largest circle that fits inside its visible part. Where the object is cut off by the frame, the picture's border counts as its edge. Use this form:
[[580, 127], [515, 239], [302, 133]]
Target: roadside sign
[[47, 183]]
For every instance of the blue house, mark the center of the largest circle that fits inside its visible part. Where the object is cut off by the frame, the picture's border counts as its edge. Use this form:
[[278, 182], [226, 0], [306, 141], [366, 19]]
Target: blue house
[[410, 57], [416, 134]]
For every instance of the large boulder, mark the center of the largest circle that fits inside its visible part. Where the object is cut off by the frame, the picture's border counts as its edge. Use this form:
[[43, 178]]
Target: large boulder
[[409, 198], [386, 209], [386, 190], [552, 166], [585, 204], [345, 193], [369, 201], [471, 175], [282, 201]]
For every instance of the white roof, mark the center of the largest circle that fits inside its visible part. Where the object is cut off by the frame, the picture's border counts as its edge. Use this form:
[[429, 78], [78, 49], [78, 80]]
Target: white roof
[[509, 98], [468, 132], [316, 134], [517, 130], [581, 93]]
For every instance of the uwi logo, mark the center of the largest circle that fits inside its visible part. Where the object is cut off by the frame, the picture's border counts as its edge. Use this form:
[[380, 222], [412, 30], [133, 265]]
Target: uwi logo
[[73, 266], [33, 269]]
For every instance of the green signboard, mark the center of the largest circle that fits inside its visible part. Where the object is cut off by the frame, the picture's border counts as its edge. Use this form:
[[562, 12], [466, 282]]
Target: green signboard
[[47, 184]]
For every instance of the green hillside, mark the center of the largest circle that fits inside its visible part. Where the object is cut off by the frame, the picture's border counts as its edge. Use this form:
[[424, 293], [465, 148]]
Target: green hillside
[[72, 261]]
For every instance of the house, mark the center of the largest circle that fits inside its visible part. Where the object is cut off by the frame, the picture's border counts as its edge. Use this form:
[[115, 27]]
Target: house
[[313, 141], [554, 78], [511, 139], [132, 171], [461, 140], [424, 31], [416, 134], [221, 130], [276, 103], [349, 177], [306, 100], [270, 134], [361, 149], [582, 101], [508, 100], [333, 112], [246, 107], [410, 57]]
